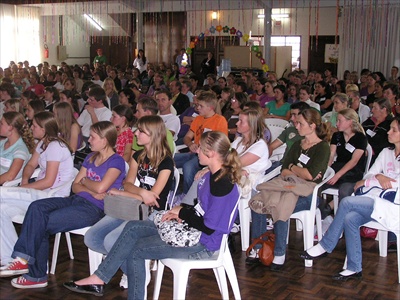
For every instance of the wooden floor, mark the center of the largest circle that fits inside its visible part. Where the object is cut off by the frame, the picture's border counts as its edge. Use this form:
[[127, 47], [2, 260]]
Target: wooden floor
[[256, 282]]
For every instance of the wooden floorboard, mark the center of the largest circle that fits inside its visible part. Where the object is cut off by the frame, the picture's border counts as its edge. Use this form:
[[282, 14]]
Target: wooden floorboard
[[256, 282]]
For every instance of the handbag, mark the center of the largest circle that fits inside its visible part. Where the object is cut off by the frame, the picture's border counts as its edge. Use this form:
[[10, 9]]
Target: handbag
[[125, 208], [176, 234], [388, 194], [266, 252]]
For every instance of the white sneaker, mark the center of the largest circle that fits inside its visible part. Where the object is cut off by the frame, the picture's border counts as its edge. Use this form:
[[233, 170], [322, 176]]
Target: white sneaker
[[124, 281], [270, 224]]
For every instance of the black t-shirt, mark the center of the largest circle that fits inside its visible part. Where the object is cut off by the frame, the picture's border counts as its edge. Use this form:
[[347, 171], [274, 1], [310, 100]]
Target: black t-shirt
[[147, 176], [345, 152]]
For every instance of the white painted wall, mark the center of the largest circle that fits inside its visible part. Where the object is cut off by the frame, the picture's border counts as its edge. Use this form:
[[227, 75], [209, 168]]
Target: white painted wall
[[78, 48]]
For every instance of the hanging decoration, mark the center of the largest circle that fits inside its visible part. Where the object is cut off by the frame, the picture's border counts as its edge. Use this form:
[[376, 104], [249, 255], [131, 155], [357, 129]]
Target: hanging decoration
[[233, 32]]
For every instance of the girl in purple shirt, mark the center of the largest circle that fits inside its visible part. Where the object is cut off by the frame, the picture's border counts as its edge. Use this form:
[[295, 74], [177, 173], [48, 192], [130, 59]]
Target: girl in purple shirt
[[218, 193]]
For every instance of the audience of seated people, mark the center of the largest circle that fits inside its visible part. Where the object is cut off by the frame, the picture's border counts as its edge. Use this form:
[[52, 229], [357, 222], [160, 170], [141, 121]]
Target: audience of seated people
[[82, 96]]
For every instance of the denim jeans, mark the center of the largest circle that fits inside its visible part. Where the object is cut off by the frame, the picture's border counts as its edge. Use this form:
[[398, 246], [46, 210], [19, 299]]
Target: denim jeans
[[140, 241], [353, 211], [189, 162], [259, 226], [14, 201], [44, 218]]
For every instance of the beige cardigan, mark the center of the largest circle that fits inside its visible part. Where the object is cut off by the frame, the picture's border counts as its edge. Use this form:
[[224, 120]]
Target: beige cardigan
[[278, 196]]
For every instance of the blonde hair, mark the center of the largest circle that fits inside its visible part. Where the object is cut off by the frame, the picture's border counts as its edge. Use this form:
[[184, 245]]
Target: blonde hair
[[107, 130], [158, 149], [109, 79], [256, 124], [351, 87], [350, 114], [219, 142], [65, 118], [17, 120]]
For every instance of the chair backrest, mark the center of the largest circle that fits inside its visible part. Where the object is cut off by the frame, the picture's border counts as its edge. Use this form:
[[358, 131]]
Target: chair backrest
[[275, 126], [224, 243], [329, 173], [172, 193], [369, 158], [53, 192]]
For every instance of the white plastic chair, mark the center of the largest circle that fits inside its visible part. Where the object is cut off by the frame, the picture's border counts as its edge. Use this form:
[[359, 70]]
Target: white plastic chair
[[95, 258], [245, 212], [220, 262], [307, 217], [335, 192], [275, 126], [383, 239]]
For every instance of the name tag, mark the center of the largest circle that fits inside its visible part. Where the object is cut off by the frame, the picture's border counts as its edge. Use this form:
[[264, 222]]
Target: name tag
[[371, 133], [195, 115], [304, 158], [149, 180], [206, 130], [5, 162], [199, 209], [234, 117], [350, 148]]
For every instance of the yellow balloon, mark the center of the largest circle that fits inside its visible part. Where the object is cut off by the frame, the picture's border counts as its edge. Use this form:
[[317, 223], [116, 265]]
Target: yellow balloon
[[265, 68], [246, 37]]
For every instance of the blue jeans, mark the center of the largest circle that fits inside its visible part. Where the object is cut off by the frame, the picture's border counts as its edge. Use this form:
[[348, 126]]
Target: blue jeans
[[140, 241], [44, 218], [259, 226], [189, 162], [353, 212]]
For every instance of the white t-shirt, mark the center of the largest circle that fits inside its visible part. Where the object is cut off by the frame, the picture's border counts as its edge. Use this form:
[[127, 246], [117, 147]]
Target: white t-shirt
[[85, 120], [173, 123], [313, 104], [56, 151], [260, 149]]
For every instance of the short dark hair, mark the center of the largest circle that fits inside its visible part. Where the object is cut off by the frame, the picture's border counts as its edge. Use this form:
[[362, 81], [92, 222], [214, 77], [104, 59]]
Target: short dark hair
[[148, 103], [163, 91], [98, 93], [300, 106], [242, 84]]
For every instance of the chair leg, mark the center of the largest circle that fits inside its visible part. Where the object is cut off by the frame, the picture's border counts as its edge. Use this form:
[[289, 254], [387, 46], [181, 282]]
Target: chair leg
[[55, 253], [95, 259], [318, 223], [158, 279], [383, 242], [148, 276], [69, 244], [308, 237], [221, 281], [345, 263], [398, 256], [335, 203], [244, 215], [181, 276], [231, 273]]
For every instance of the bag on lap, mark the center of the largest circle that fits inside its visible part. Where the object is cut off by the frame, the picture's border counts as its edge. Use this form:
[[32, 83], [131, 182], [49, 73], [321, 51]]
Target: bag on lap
[[125, 208]]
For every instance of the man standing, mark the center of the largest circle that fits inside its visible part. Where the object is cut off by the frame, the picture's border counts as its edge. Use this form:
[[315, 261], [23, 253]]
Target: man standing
[[100, 59], [180, 101], [172, 122]]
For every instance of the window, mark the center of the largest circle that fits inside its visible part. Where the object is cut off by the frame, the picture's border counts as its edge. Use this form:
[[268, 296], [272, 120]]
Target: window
[[293, 41]]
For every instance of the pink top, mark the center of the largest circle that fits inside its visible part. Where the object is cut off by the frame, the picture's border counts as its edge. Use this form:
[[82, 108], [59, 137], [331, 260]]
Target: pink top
[[125, 137]]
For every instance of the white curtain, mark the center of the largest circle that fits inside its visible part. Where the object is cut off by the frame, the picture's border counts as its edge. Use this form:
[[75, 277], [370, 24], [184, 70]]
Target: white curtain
[[370, 38], [19, 34]]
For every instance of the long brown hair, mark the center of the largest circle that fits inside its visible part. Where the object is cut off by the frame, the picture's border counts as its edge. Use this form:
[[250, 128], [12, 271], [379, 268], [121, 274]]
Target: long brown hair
[[107, 130], [46, 120], [322, 129], [65, 118], [158, 149]]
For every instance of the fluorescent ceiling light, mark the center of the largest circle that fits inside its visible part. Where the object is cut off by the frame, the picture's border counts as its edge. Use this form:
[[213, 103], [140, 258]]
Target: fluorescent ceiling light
[[93, 22], [274, 16]]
